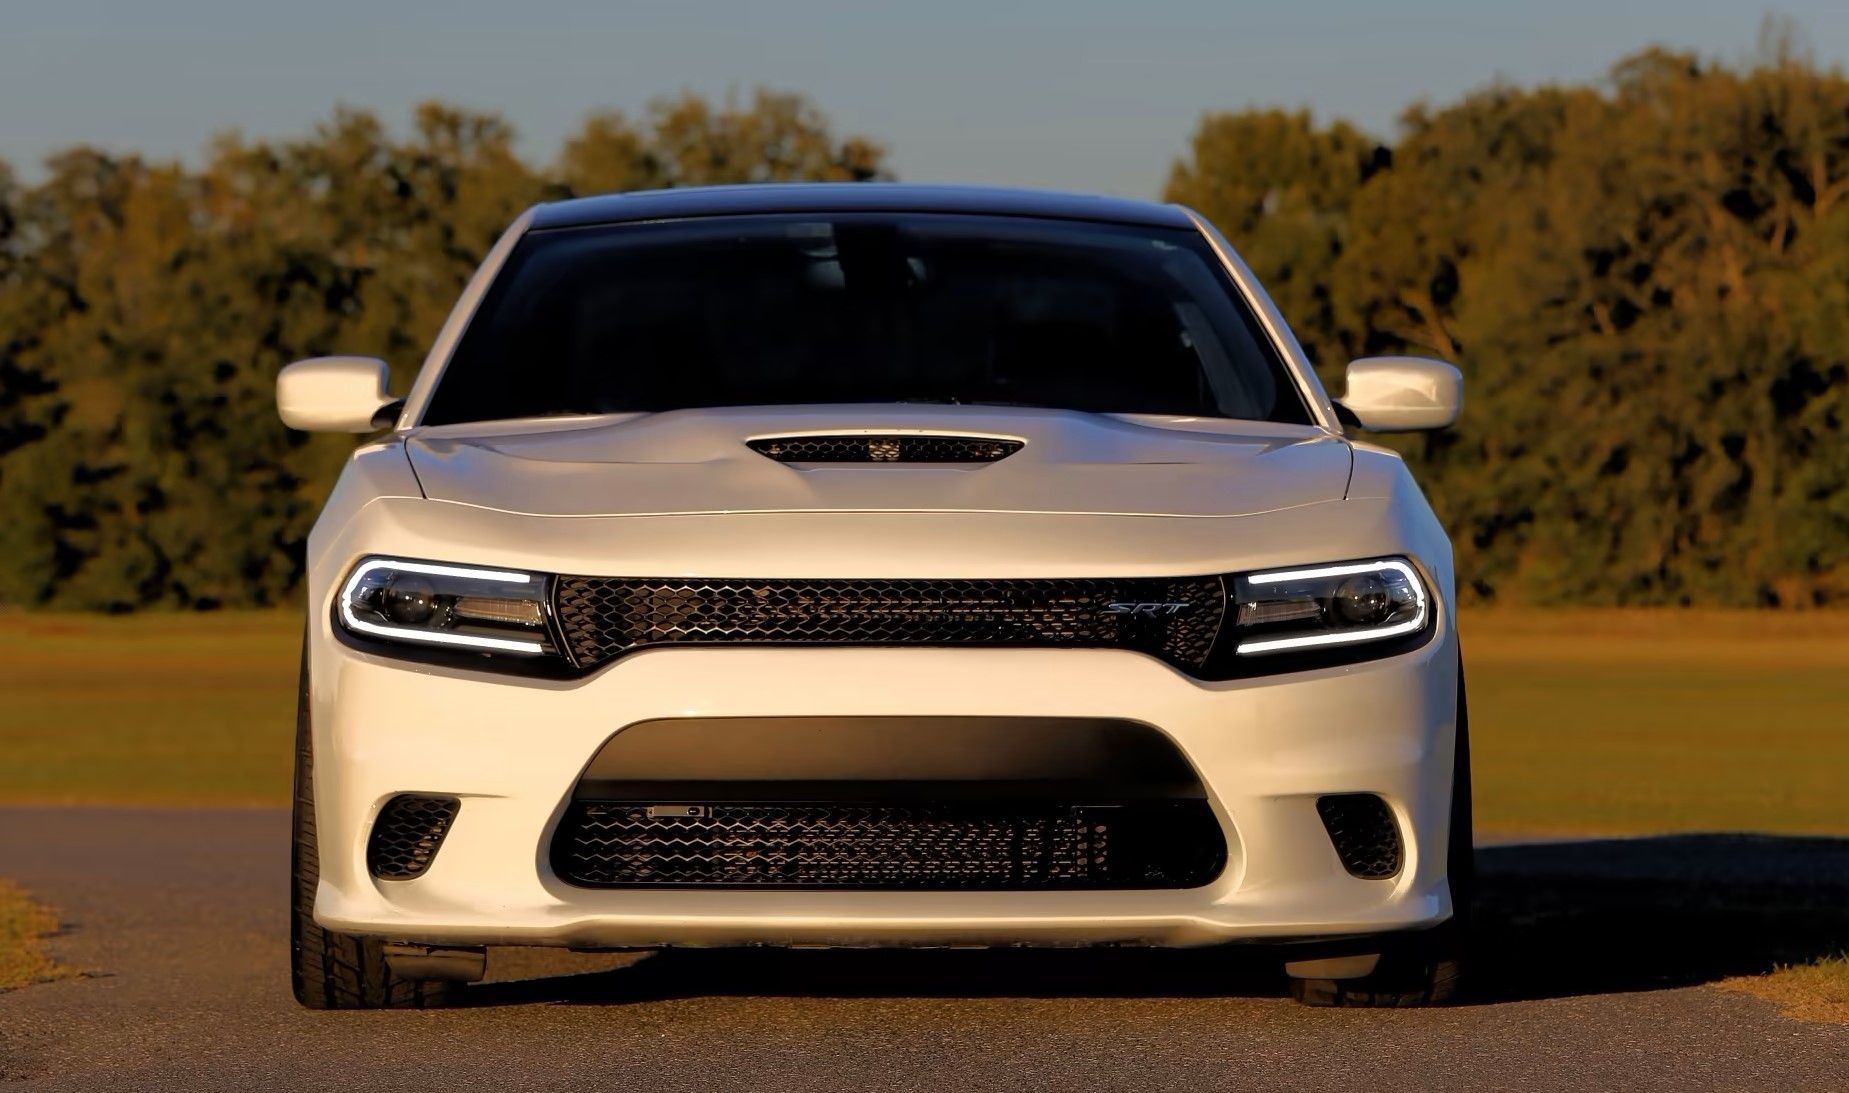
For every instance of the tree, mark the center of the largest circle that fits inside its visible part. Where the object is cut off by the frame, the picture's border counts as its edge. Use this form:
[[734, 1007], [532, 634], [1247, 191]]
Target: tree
[[1645, 286], [686, 141], [147, 309]]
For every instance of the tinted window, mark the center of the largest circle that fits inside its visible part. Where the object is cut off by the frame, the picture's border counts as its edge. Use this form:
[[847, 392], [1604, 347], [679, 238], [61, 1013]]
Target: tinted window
[[780, 310]]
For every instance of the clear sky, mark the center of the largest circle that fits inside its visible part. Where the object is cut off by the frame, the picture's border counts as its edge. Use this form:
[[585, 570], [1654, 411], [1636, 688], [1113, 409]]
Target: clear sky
[[1067, 93]]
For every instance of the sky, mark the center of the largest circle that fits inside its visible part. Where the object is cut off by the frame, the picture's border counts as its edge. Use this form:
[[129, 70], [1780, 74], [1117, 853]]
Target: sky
[[1072, 94]]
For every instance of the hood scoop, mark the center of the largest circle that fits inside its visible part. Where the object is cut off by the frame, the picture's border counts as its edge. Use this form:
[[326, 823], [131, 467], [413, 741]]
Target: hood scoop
[[884, 448]]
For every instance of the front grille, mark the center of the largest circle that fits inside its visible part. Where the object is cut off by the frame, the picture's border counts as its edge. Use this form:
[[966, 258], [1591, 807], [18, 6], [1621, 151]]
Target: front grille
[[407, 834], [904, 448], [993, 846], [1365, 836], [602, 618]]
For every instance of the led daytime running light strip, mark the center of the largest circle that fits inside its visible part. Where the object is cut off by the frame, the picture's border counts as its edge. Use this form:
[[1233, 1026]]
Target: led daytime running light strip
[[467, 641], [1309, 641]]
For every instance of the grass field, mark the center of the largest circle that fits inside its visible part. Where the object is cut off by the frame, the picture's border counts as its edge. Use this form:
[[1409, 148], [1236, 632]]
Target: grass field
[[160, 708], [1583, 722], [1619, 722]]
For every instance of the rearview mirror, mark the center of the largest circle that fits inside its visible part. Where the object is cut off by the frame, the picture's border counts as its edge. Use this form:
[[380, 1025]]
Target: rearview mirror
[[1401, 394], [336, 395]]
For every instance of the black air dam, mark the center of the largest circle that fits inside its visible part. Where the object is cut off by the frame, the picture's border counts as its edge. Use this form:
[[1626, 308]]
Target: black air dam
[[938, 758]]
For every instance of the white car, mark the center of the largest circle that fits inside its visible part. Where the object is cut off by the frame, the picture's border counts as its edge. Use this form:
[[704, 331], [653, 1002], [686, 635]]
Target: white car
[[875, 565]]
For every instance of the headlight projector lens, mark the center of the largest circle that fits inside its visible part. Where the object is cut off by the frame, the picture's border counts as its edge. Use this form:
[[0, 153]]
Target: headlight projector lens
[[1362, 600], [410, 599]]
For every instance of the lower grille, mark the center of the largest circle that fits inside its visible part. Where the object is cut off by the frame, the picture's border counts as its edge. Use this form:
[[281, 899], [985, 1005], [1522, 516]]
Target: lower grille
[[1365, 835], [602, 618], [884, 846], [407, 834]]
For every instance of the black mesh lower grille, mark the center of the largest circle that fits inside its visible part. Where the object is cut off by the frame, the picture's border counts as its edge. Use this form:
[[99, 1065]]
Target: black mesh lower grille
[[602, 618], [910, 846], [901, 448], [1365, 835], [407, 833]]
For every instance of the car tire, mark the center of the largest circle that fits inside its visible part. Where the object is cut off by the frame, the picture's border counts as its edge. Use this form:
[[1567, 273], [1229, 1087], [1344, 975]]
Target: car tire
[[333, 971], [1425, 968]]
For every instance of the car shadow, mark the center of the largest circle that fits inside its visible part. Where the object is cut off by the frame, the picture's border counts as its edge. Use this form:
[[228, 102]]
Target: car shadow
[[1551, 919], [1608, 915]]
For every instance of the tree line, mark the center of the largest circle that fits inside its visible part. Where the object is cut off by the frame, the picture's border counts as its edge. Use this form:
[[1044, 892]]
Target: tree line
[[145, 309], [1646, 284], [1645, 281]]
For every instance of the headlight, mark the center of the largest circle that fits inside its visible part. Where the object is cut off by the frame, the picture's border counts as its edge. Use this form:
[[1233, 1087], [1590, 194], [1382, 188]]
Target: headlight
[[462, 607], [1283, 610]]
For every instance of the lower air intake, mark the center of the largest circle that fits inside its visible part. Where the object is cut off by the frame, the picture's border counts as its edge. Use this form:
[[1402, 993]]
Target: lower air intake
[[980, 846], [1365, 835], [407, 834]]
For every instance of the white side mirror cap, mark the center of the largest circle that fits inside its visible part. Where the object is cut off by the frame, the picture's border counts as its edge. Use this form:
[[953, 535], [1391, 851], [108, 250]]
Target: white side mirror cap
[[334, 394], [1401, 394]]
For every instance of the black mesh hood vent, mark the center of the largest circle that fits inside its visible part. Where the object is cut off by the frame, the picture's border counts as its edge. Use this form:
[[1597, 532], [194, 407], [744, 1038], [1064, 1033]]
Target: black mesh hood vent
[[899, 448]]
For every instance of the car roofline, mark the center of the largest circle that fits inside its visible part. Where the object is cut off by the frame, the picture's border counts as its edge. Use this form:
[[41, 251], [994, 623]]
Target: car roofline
[[852, 197]]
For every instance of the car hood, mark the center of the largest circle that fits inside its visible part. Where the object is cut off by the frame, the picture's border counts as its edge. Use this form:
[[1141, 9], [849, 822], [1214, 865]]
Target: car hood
[[698, 462]]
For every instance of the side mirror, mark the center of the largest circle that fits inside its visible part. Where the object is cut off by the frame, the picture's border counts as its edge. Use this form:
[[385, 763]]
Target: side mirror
[[1402, 394], [336, 395]]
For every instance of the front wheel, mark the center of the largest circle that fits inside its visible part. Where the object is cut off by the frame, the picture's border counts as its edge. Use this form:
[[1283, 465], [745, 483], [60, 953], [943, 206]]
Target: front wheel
[[1424, 968], [334, 971]]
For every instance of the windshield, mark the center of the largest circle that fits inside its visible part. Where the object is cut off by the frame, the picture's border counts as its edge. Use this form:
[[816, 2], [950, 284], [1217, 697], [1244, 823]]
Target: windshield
[[863, 308]]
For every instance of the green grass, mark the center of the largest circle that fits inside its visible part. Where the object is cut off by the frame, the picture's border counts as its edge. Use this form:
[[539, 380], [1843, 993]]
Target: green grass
[[1588, 722], [1583, 722], [167, 709]]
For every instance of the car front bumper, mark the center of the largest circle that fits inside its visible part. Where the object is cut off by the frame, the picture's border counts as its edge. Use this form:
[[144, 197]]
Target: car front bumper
[[512, 749]]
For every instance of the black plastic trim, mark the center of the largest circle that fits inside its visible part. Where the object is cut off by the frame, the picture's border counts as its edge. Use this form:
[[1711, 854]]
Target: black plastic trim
[[768, 845], [875, 449], [883, 758], [386, 416], [407, 833], [1365, 834]]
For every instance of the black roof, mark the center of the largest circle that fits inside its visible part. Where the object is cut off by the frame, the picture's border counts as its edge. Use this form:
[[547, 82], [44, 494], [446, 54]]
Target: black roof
[[835, 197]]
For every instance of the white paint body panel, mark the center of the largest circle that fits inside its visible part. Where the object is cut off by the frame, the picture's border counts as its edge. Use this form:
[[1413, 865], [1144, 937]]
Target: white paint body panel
[[333, 394], [1403, 394], [679, 494], [696, 461]]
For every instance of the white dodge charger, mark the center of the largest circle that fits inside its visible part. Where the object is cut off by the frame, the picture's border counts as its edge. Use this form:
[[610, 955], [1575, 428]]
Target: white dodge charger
[[871, 565]]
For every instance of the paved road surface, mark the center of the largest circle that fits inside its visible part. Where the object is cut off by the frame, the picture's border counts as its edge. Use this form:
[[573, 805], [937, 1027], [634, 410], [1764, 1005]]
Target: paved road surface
[[1596, 953]]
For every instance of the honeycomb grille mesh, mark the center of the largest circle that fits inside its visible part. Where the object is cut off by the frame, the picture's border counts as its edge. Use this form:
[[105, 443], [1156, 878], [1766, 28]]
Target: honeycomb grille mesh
[[855, 448], [407, 834], [602, 618], [1366, 838], [890, 846]]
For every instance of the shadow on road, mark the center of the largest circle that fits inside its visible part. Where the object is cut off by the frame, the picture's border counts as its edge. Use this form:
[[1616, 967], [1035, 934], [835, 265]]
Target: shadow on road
[[1553, 919], [1610, 915]]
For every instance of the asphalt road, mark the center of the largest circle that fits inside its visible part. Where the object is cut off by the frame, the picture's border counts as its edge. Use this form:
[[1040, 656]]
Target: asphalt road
[[1596, 956]]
